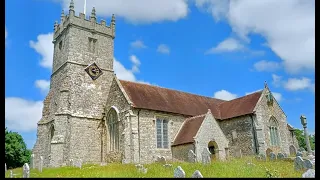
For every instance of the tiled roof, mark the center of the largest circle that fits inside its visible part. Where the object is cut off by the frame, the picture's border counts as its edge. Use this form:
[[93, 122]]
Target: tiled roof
[[162, 99], [188, 130]]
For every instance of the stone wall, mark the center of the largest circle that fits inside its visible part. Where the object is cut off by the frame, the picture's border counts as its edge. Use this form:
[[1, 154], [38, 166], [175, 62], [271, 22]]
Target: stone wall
[[263, 113], [239, 133], [147, 133], [180, 152], [210, 131]]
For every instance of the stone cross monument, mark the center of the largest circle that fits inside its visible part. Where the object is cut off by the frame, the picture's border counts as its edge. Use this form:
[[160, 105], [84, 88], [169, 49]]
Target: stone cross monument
[[304, 124]]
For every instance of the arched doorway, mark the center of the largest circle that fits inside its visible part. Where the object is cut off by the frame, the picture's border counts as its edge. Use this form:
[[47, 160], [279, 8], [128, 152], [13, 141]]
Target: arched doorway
[[213, 148], [292, 150]]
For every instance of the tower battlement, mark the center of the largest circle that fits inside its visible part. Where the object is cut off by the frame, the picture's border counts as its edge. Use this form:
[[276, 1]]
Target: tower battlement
[[80, 21]]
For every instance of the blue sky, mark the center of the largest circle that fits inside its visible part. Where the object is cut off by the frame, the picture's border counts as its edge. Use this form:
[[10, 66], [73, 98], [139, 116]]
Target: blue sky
[[223, 49]]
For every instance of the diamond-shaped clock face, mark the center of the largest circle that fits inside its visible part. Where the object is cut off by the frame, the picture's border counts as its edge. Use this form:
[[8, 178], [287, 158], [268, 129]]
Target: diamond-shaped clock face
[[94, 71]]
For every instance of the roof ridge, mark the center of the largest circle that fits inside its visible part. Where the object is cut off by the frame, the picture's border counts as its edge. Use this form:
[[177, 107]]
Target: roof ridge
[[197, 116], [173, 90]]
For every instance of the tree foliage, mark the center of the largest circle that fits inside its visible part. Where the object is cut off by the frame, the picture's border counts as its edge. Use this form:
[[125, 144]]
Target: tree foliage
[[16, 152], [301, 139]]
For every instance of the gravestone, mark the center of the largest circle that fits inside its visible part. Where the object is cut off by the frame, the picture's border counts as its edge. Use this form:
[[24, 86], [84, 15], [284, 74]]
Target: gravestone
[[5, 167], [71, 163], [32, 161], [163, 160], [308, 164], [79, 163], [191, 156], [179, 173], [280, 156], [40, 164], [197, 174], [103, 164], [11, 174], [299, 154], [285, 155], [272, 156], [26, 171], [143, 170], [139, 166], [310, 173], [298, 163], [206, 159]]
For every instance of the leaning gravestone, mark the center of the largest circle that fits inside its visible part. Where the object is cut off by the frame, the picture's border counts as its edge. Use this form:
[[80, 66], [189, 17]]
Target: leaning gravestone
[[298, 163], [179, 173], [308, 164], [272, 156], [310, 173], [32, 161], [280, 156], [40, 164], [299, 154], [26, 170], [206, 159], [191, 156], [197, 174]]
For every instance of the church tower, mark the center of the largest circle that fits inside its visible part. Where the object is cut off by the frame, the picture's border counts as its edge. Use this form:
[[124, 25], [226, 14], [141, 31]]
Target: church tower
[[70, 127]]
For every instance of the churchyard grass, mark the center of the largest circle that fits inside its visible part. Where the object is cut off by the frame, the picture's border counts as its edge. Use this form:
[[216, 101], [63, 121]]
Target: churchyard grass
[[231, 168]]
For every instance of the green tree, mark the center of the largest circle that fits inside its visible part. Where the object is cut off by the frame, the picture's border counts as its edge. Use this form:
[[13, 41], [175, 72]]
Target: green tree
[[301, 139], [16, 152]]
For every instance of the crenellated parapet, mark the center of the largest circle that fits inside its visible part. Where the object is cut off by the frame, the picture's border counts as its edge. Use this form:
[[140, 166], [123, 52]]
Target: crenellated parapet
[[82, 22]]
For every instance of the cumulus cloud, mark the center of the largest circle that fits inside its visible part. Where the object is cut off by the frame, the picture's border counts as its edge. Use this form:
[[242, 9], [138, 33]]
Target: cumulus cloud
[[43, 85], [138, 44], [44, 47], [135, 11], [287, 26], [128, 74], [228, 45], [22, 115], [266, 66], [277, 96], [164, 49], [224, 95], [294, 84]]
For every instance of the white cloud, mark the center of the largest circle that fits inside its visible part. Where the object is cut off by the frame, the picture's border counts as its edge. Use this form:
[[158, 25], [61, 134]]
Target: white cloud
[[44, 47], [224, 95], [138, 44], [287, 25], [135, 11], [277, 96], [164, 49], [266, 66], [136, 63], [276, 80], [253, 92], [228, 45], [127, 74], [294, 84], [21, 114], [43, 85]]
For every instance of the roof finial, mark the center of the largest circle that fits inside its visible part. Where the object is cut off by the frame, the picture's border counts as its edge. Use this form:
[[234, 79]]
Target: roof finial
[[55, 25], [71, 7], [113, 19], [62, 15], [93, 12], [265, 84]]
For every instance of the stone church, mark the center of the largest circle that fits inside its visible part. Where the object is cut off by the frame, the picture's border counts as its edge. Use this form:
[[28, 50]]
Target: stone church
[[90, 114]]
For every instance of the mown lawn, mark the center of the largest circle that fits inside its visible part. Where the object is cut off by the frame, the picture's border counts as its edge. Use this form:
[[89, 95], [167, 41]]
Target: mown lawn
[[231, 168]]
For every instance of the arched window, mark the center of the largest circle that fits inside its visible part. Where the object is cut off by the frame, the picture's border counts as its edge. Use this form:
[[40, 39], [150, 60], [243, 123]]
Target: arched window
[[274, 134], [113, 128], [51, 134]]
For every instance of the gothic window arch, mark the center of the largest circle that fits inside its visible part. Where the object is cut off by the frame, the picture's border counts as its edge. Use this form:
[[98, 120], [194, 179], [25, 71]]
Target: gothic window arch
[[113, 129], [274, 134]]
